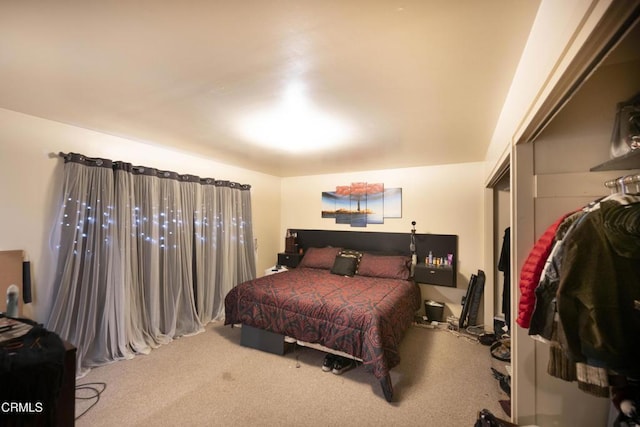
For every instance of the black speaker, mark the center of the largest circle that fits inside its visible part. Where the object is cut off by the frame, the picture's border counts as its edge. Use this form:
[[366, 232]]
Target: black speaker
[[26, 282]]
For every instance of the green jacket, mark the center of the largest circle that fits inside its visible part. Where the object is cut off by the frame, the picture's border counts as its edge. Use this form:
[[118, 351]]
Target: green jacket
[[598, 297]]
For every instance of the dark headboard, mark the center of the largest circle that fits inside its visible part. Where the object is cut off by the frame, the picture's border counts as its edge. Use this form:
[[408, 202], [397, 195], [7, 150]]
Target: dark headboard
[[440, 244], [397, 243], [392, 243]]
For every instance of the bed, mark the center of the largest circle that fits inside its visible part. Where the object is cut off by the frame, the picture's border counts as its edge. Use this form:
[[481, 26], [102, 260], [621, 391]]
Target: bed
[[362, 313]]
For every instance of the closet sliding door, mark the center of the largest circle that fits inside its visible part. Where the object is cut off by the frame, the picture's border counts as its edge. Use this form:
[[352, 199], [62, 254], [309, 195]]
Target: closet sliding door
[[567, 137]]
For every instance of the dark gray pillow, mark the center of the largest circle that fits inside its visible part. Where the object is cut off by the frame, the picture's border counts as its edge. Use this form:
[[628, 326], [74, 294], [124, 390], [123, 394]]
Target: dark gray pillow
[[344, 265]]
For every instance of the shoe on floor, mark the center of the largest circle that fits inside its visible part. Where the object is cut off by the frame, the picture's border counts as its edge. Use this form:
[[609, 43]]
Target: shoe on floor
[[327, 363], [487, 338], [341, 364]]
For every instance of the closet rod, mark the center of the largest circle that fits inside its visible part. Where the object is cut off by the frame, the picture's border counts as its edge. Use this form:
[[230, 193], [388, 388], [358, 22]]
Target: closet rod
[[622, 183]]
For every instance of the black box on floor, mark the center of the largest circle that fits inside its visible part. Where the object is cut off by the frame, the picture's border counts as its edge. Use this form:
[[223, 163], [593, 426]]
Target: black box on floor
[[262, 340]]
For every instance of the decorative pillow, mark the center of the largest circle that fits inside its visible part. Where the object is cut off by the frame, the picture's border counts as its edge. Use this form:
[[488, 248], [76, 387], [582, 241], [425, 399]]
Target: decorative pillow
[[351, 253], [389, 267], [319, 257], [346, 262], [344, 265]]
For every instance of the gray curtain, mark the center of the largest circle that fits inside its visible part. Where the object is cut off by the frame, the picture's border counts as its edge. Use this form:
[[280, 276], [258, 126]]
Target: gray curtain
[[144, 256]]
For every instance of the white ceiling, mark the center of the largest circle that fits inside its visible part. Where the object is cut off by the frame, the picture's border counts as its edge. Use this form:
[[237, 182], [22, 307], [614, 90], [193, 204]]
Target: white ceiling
[[416, 82]]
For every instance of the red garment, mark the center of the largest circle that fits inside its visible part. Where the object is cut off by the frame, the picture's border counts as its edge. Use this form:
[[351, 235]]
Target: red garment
[[531, 272]]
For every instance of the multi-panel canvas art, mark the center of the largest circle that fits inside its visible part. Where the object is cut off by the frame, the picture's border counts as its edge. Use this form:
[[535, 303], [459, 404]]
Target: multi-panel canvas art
[[362, 203]]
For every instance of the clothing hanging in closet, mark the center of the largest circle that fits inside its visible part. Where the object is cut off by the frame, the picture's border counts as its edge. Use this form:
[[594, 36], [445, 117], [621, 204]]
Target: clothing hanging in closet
[[504, 265], [599, 291], [532, 270], [587, 300]]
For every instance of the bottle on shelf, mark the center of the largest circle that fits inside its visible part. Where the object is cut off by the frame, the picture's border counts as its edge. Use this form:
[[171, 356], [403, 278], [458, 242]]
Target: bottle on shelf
[[430, 259], [414, 261]]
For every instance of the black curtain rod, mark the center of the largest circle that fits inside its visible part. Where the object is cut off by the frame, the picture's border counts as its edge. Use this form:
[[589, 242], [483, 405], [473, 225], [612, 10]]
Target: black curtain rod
[[217, 182]]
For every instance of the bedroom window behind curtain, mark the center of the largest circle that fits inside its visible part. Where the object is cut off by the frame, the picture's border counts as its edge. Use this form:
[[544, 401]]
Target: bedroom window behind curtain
[[144, 256]]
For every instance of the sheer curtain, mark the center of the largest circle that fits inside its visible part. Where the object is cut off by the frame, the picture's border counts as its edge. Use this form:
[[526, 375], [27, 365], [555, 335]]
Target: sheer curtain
[[144, 256]]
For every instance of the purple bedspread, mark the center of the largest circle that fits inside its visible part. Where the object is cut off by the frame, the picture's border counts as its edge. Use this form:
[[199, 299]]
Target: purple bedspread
[[362, 316]]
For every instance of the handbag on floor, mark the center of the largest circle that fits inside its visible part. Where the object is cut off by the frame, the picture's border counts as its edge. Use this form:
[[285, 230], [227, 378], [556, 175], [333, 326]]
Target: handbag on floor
[[501, 349], [487, 419]]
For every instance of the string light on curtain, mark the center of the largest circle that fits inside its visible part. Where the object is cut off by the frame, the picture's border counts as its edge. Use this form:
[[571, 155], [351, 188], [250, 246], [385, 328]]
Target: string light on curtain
[[138, 263]]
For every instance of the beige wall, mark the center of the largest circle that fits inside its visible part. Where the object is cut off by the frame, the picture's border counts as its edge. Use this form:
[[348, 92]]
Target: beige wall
[[555, 35], [30, 182], [441, 199]]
